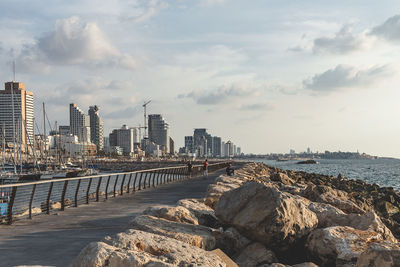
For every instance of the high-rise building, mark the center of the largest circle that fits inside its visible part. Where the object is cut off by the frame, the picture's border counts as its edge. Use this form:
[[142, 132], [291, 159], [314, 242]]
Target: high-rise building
[[21, 104], [79, 123], [216, 146], [96, 128], [171, 146], [229, 149], [124, 138], [199, 141], [189, 144], [64, 130], [159, 131]]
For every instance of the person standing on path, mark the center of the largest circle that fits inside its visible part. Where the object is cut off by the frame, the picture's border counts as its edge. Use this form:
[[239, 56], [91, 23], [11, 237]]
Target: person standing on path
[[190, 168], [205, 169]]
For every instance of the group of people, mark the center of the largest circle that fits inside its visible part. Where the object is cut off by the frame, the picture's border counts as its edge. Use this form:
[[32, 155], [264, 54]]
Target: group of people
[[229, 170]]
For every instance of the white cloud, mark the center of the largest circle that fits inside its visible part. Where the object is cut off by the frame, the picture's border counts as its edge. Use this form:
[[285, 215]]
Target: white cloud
[[212, 2], [258, 107], [222, 95], [343, 76], [389, 30], [153, 8], [344, 41], [73, 43]]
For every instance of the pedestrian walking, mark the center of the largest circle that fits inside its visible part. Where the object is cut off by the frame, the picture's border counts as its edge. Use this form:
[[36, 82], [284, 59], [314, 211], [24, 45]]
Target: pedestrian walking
[[205, 169], [190, 168]]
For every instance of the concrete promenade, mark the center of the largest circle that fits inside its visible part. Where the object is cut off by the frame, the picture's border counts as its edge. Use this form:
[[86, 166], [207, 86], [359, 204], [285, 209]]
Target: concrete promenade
[[56, 239]]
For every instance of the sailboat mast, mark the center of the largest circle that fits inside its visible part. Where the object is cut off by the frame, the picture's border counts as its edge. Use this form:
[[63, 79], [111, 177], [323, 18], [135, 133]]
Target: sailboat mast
[[44, 132], [20, 144], [3, 133], [13, 123]]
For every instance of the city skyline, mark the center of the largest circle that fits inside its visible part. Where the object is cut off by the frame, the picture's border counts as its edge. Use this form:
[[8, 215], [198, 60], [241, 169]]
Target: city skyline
[[329, 81]]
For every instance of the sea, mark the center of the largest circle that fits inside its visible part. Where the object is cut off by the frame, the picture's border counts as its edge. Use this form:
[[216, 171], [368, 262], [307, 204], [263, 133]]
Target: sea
[[382, 171]]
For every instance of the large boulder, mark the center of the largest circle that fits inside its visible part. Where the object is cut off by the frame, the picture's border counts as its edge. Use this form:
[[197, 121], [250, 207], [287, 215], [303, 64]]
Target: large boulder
[[329, 215], [204, 214], [335, 197], [231, 241], [214, 192], [196, 235], [384, 254], [255, 255], [176, 214], [95, 254], [339, 245], [282, 178], [264, 214], [137, 248]]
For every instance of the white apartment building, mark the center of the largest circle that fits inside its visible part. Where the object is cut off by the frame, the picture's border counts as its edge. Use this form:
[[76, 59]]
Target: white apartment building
[[96, 128], [79, 123], [124, 138]]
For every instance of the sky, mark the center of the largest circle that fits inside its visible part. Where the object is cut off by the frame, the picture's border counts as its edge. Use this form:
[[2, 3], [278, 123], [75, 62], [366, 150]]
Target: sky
[[268, 75]]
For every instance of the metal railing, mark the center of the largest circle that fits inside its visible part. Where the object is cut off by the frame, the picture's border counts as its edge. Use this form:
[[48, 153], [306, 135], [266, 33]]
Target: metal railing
[[43, 197]]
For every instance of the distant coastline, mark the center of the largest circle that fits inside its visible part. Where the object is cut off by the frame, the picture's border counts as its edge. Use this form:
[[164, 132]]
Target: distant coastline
[[305, 156]]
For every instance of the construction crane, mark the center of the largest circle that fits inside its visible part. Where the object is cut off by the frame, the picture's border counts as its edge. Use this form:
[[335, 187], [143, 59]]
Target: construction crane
[[145, 119]]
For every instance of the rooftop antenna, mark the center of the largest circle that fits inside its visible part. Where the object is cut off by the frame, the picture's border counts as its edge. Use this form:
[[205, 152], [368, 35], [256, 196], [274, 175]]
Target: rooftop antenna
[[145, 117], [14, 70]]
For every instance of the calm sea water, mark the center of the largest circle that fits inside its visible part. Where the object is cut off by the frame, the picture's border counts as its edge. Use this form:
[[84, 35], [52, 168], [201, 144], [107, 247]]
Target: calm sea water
[[384, 172]]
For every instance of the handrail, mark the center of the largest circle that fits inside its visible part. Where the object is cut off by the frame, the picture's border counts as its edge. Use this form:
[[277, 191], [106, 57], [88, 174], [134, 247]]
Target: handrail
[[42, 197], [97, 176]]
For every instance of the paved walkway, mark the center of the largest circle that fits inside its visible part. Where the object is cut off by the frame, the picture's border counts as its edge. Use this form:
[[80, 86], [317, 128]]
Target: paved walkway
[[56, 239]]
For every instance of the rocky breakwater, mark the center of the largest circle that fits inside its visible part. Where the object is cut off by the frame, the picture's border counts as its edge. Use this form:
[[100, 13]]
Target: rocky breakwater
[[261, 217]]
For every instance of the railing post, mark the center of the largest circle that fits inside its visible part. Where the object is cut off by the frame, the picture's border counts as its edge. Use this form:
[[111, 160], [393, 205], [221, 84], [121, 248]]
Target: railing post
[[158, 177], [140, 180], [154, 179], [48, 198], [134, 182], [174, 175], [76, 193], [31, 201], [88, 190], [168, 176], [108, 182], [122, 184], [162, 178], [129, 183], [11, 204], [98, 188], [63, 195], [115, 184], [144, 180], [151, 175]]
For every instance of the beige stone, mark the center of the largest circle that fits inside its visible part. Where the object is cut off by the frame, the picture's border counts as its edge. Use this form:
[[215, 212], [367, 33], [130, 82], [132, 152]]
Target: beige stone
[[142, 249], [204, 214], [214, 192], [196, 235], [329, 215], [335, 197], [384, 254], [262, 213], [254, 255], [176, 214], [93, 255], [339, 245], [283, 178]]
